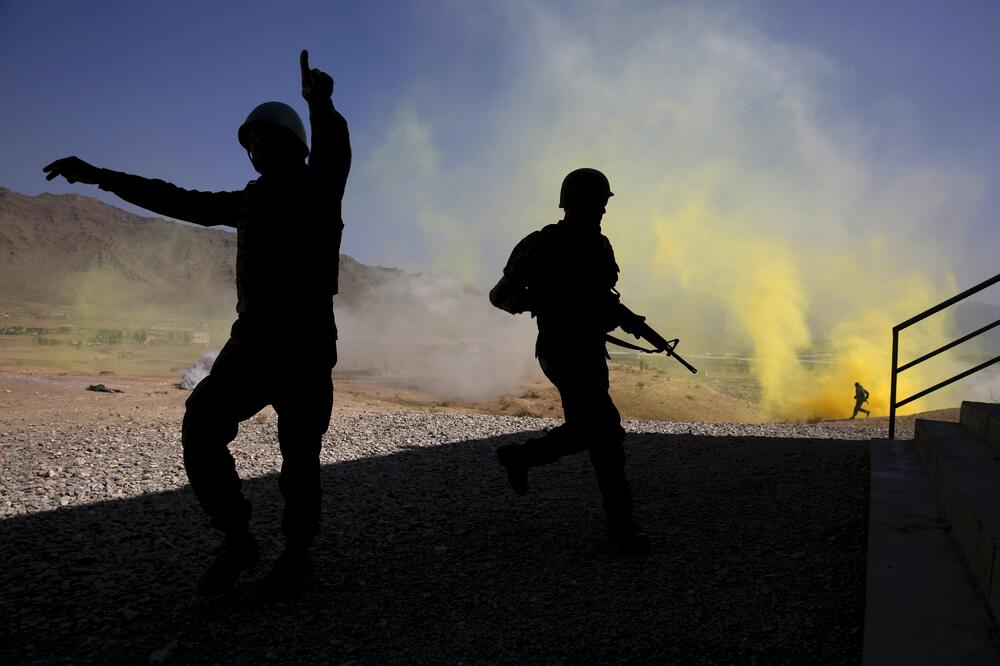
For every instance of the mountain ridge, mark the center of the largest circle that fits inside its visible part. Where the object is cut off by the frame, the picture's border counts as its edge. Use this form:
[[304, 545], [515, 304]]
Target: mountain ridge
[[77, 252]]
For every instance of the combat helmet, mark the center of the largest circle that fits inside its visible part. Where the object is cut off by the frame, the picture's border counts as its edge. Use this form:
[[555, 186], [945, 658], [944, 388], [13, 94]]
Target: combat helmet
[[275, 114], [584, 187]]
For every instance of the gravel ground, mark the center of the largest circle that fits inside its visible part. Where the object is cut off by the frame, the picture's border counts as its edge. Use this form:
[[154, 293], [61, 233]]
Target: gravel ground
[[427, 557]]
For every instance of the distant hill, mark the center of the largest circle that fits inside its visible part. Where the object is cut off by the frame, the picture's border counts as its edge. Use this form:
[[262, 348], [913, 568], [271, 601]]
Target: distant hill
[[79, 253]]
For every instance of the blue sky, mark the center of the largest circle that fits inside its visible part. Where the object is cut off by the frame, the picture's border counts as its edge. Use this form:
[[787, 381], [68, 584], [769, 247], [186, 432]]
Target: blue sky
[[442, 97]]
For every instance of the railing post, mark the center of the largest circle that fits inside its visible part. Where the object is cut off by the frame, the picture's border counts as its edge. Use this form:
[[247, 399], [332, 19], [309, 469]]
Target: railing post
[[892, 384]]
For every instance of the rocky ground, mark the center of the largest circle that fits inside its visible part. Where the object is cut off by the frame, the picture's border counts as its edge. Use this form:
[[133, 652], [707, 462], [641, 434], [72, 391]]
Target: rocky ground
[[427, 557]]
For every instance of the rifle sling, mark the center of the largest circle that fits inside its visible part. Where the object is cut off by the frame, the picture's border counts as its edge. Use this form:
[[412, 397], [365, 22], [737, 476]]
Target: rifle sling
[[628, 345]]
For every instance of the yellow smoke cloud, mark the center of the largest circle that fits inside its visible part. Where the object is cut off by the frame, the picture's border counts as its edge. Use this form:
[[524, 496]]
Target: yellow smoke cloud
[[743, 186], [760, 282]]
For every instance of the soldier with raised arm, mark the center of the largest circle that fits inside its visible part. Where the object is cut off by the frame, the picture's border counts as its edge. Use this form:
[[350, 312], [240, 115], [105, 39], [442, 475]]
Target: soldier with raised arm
[[282, 347], [564, 274]]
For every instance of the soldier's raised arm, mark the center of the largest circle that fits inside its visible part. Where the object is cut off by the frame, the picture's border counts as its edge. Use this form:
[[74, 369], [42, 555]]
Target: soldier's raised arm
[[204, 208], [331, 143]]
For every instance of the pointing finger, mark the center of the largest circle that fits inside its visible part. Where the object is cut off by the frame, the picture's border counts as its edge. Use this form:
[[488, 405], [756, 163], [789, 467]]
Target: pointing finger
[[304, 64]]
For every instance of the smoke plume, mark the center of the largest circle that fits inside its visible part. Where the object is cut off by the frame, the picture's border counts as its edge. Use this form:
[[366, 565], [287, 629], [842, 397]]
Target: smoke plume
[[190, 377], [744, 186], [435, 334]]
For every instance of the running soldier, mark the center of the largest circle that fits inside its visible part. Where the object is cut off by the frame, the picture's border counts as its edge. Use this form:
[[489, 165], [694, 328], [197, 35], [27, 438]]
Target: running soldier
[[564, 275], [860, 398]]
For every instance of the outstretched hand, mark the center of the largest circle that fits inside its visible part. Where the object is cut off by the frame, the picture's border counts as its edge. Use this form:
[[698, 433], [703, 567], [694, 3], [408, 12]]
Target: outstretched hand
[[74, 170], [317, 85]]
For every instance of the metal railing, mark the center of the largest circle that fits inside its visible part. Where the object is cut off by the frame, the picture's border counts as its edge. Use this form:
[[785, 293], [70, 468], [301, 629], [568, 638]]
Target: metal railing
[[896, 368]]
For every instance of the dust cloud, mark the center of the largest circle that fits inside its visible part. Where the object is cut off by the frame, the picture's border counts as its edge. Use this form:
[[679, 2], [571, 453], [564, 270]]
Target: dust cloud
[[429, 333], [435, 334]]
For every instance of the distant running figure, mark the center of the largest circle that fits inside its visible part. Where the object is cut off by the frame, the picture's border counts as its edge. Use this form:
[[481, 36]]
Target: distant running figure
[[860, 398]]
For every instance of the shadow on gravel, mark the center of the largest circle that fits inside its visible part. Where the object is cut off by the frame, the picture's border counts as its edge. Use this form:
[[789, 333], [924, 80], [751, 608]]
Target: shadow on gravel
[[427, 557]]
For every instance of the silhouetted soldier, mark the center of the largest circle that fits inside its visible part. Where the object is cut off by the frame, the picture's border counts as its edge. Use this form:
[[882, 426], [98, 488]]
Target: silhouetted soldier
[[283, 344], [564, 275], [860, 398]]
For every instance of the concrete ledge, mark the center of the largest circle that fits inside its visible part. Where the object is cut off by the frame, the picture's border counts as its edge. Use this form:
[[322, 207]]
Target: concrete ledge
[[923, 605], [983, 419], [966, 474]]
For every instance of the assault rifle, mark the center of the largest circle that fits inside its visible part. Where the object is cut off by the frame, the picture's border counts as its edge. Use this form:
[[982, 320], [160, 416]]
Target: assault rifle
[[635, 324]]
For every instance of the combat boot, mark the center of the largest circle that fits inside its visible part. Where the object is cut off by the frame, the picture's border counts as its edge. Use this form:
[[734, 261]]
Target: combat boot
[[628, 538], [512, 459], [291, 575], [237, 553]]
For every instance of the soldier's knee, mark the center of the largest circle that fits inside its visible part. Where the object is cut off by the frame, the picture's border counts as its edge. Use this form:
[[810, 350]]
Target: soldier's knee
[[306, 429], [201, 427], [610, 430], [305, 423], [607, 456], [607, 427], [301, 453]]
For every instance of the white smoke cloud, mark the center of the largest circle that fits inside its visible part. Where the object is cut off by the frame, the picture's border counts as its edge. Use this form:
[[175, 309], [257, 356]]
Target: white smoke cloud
[[190, 377], [984, 387], [437, 335]]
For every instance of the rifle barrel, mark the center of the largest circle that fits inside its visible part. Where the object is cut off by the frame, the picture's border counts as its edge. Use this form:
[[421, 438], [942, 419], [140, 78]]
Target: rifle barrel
[[694, 370]]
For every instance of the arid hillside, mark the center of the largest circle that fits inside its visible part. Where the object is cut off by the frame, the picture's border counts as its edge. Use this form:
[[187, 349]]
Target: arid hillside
[[77, 254]]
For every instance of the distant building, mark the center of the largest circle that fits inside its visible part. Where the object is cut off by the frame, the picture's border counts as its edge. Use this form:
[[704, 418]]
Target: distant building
[[201, 337], [111, 336], [179, 336]]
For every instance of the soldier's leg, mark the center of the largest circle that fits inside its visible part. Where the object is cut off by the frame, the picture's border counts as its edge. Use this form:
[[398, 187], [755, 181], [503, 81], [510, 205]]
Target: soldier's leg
[[231, 393], [304, 407], [600, 426], [572, 436], [593, 422], [562, 440], [303, 403], [607, 454]]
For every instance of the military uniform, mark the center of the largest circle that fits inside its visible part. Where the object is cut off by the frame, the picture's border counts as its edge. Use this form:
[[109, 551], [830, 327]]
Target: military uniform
[[283, 344], [564, 274]]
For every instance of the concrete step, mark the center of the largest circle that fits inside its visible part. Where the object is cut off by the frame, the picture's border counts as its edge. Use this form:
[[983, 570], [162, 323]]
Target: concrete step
[[983, 419], [966, 474], [923, 605]]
